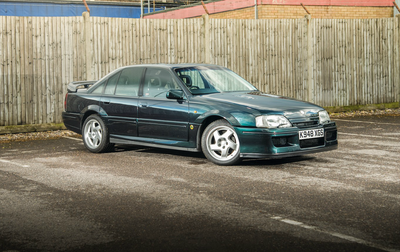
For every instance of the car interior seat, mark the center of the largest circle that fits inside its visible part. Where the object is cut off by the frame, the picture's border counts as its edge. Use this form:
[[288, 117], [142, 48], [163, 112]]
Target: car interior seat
[[187, 80], [154, 86]]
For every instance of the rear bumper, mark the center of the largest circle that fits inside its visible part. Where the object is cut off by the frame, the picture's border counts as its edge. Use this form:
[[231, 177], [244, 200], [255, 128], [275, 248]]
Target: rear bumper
[[72, 121]]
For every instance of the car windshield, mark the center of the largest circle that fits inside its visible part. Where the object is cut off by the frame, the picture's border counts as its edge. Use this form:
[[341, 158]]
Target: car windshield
[[212, 79]]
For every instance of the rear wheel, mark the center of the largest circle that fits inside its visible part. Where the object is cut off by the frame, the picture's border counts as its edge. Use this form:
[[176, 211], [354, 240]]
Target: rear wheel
[[220, 143], [95, 135]]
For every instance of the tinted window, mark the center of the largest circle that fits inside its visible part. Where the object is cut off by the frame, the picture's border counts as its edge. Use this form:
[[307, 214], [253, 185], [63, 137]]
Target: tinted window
[[212, 79], [112, 81], [192, 79], [129, 81], [157, 82], [98, 89]]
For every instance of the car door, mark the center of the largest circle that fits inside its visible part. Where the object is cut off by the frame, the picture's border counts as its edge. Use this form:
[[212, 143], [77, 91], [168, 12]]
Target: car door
[[120, 101], [159, 117]]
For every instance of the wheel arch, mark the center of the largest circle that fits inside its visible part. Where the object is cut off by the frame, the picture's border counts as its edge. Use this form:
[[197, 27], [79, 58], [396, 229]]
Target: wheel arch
[[90, 110], [207, 121], [236, 118]]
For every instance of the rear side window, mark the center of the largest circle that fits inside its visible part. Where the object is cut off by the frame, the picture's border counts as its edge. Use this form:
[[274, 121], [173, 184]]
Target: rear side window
[[112, 82], [99, 88], [129, 81]]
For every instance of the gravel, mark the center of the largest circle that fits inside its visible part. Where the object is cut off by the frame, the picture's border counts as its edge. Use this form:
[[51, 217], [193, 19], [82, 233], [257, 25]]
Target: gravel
[[358, 113], [45, 135], [66, 133]]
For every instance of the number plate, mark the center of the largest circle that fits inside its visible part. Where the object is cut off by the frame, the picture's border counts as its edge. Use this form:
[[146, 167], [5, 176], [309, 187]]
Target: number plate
[[308, 134]]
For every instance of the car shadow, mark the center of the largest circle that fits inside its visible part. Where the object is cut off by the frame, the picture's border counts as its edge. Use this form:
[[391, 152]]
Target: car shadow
[[122, 148], [275, 161], [199, 158]]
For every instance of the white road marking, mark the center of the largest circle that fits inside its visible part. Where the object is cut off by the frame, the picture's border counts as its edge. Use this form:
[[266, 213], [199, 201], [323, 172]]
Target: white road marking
[[362, 135], [343, 120], [335, 234], [14, 163], [73, 138]]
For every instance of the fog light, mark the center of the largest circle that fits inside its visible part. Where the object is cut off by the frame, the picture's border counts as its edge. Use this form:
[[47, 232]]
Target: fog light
[[280, 141], [331, 135]]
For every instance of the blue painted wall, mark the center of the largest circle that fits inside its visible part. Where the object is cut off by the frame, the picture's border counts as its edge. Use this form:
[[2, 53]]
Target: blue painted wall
[[69, 9]]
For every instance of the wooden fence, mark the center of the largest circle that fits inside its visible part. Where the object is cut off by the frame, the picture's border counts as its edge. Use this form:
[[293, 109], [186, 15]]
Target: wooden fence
[[329, 62]]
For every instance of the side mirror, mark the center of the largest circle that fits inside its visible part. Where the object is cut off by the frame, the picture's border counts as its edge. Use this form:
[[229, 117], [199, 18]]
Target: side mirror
[[175, 94]]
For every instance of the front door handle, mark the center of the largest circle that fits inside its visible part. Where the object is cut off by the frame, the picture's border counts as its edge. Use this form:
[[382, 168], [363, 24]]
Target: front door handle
[[143, 105]]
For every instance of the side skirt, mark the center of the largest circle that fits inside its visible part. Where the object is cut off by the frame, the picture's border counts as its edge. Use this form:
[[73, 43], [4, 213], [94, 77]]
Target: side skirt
[[153, 145]]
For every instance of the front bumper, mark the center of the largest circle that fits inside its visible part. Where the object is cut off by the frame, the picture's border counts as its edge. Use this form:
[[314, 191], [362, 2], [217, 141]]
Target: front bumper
[[278, 143]]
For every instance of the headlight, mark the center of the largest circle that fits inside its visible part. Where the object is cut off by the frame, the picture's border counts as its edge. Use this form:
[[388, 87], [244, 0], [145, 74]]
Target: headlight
[[272, 121], [324, 117]]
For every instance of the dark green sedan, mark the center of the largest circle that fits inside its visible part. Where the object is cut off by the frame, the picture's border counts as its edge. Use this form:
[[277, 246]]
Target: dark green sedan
[[194, 107]]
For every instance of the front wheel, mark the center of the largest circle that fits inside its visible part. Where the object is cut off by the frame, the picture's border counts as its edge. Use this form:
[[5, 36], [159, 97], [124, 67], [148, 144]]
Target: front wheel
[[95, 134], [220, 143]]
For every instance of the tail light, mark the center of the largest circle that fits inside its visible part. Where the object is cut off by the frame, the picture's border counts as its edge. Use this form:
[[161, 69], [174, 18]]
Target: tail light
[[65, 102]]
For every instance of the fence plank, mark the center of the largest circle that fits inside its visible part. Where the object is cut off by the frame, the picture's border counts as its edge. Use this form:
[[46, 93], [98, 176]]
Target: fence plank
[[21, 66], [3, 37], [396, 57]]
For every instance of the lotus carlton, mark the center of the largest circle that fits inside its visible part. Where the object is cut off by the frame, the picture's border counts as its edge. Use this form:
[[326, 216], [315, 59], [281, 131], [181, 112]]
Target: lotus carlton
[[194, 107]]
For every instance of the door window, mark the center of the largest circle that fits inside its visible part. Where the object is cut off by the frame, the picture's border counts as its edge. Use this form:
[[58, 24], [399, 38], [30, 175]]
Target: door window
[[157, 82], [192, 79], [129, 81]]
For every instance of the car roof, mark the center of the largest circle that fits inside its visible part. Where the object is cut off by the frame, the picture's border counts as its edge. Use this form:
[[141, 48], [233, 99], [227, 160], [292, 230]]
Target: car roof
[[173, 65]]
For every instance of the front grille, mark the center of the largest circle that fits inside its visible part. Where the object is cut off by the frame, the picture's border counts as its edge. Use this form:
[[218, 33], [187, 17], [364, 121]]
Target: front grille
[[305, 124], [307, 143]]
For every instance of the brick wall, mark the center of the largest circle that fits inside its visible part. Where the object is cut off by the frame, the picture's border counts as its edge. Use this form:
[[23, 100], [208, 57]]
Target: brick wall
[[246, 13], [290, 11], [151, 1]]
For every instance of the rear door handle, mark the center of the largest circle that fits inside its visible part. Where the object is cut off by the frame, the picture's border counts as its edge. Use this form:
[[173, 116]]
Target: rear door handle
[[143, 105], [106, 102]]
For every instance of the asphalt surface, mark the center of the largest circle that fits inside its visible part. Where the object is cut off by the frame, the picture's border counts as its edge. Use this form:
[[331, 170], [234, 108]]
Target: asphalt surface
[[56, 196]]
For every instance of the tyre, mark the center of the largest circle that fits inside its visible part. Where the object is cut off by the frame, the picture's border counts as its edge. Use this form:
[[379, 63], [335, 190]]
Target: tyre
[[220, 143], [95, 135]]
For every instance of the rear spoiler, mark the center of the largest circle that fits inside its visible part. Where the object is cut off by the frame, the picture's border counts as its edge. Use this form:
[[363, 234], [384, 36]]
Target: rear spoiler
[[74, 86]]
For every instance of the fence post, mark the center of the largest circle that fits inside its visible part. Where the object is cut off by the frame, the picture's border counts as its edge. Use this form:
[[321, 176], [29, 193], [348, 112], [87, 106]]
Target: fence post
[[206, 27], [88, 54], [397, 57], [310, 84]]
